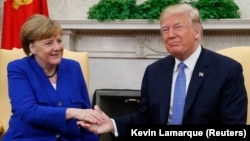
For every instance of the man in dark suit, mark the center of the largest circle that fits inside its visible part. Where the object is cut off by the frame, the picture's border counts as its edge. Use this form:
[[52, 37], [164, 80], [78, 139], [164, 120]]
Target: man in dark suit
[[214, 93]]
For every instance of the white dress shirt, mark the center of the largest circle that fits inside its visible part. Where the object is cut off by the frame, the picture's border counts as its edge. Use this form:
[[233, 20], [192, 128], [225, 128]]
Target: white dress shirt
[[190, 63]]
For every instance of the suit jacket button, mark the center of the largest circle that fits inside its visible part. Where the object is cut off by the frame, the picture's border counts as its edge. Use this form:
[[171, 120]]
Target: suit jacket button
[[59, 103], [57, 135]]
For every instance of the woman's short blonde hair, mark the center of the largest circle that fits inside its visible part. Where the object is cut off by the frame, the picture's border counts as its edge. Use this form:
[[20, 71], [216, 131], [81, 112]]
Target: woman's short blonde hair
[[38, 27]]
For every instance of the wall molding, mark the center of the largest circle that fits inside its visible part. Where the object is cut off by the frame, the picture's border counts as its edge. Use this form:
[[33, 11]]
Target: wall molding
[[142, 39], [222, 24]]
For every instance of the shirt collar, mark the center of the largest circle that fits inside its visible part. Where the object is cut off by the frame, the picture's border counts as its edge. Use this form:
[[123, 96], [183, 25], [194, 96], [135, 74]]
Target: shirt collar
[[191, 60]]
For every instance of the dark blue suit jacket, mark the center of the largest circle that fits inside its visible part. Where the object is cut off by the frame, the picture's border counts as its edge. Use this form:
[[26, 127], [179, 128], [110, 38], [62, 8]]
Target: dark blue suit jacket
[[216, 93], [38, 109]]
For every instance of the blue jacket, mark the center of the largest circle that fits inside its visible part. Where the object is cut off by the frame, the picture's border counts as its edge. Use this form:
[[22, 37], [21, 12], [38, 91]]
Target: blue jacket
[[38, 109]]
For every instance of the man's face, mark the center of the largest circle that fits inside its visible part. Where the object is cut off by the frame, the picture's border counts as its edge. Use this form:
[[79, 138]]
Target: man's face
[[180, 35]]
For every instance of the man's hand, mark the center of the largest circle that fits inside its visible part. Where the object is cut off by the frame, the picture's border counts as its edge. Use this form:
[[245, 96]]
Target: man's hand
[[98, 128]]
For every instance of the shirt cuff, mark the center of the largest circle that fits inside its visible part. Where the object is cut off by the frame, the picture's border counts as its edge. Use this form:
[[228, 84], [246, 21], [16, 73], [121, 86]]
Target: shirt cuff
[[115, 128]]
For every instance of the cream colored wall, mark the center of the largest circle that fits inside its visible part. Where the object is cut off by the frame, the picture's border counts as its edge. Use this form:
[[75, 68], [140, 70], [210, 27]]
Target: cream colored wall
[[112, 72], [77, 9]]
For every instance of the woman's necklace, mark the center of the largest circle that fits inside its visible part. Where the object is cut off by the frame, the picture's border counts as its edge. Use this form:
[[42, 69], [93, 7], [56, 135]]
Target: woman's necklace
[[55, 72]]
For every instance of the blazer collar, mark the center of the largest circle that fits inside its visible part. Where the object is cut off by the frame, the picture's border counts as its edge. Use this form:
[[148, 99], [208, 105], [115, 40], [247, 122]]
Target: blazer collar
[[199, 74], [166, 85]]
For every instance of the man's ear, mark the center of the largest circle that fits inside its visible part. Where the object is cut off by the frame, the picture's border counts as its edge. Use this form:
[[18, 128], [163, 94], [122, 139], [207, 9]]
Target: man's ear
[[197, 33], [197, 36]]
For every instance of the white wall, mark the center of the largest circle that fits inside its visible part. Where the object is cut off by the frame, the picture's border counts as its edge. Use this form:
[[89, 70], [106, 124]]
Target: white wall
[[115, 73]]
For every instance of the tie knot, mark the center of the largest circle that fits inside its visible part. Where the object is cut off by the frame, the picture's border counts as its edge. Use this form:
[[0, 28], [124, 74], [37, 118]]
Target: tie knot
[[181, 66]]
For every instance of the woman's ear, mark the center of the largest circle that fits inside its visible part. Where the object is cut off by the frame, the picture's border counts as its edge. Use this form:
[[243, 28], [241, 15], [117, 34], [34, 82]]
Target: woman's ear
[[32, 48]]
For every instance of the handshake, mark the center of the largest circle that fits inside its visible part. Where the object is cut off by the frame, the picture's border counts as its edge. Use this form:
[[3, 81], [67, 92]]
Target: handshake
[[94, 120]]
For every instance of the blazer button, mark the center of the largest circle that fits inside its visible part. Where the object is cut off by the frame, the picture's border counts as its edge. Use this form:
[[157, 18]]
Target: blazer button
[[57, 135], [59, 103]]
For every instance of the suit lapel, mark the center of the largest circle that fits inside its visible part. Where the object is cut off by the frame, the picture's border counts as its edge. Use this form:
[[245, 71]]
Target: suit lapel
[[166, 85], [200, 72]]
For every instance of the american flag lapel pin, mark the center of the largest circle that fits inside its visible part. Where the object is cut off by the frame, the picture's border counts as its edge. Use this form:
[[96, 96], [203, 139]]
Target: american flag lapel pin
[[201, 74]]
